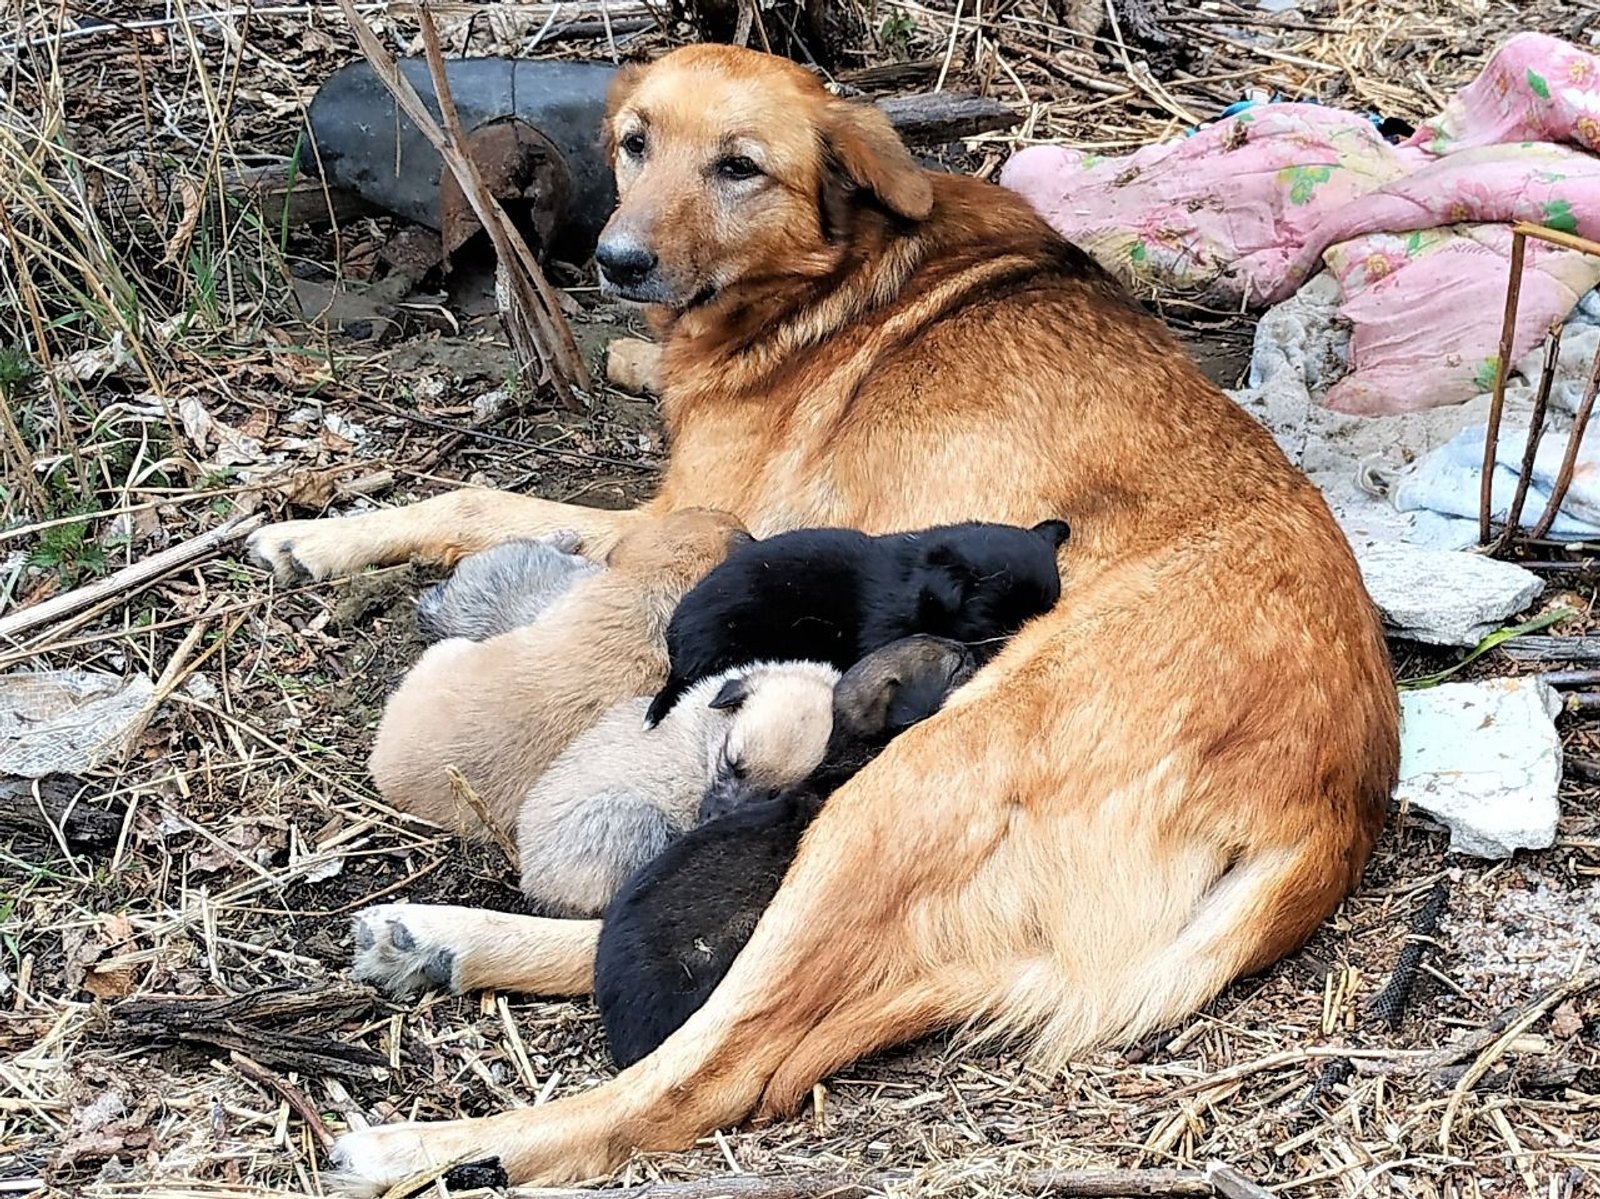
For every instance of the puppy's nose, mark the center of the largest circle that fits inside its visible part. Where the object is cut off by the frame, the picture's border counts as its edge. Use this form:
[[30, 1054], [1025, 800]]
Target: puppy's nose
[[624, 262]]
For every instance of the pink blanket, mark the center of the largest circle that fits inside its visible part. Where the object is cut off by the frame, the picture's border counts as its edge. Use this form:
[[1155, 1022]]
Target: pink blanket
[[1417, 235]]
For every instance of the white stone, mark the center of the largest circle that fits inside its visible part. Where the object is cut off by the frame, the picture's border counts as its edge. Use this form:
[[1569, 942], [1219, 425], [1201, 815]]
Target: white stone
[[1443, 597], [1484, 760]]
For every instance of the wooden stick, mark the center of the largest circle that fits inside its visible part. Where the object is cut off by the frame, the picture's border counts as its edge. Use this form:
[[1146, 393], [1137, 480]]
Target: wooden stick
[[529, 287], [1491, 434], [1067, 1184], [1541, 401], [463, 791], [1567, 241], [130, 578], [1526, 1019], [1230, 1184], [1580, 424], [286, 1091], [1581, 648], [938, 117], [1571, 678]]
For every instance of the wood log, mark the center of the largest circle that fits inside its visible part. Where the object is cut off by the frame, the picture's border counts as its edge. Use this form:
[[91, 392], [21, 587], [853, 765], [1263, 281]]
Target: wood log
[[933, 118], [61, 804]]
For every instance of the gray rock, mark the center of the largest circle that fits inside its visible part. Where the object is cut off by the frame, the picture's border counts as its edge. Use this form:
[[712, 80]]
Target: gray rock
[[1484, 760], [1443, 597]]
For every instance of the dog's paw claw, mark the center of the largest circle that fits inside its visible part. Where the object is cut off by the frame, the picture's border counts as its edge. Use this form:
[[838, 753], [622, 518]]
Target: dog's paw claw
[[398, 950], [299, 549]]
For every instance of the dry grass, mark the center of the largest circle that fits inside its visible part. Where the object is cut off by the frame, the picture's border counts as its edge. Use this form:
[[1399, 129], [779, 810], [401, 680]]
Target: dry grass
[[242, 831]]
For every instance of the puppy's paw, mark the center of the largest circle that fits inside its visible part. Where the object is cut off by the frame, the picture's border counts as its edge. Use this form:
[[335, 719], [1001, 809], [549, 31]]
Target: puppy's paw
[[404, 948], [567, 541], [304, 549]]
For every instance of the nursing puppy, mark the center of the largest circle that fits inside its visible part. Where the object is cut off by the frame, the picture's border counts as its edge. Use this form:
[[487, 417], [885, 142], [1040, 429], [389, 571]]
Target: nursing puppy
[[836, 595], [502, 588], [675, 927], [620, 793], [499, 711]]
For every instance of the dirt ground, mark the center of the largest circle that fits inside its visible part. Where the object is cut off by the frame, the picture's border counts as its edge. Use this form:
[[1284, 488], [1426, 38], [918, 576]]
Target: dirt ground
[[176, 1012]]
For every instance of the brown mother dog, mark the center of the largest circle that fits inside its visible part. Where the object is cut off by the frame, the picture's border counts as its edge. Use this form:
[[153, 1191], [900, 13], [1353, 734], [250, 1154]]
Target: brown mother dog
[[1162, 785]]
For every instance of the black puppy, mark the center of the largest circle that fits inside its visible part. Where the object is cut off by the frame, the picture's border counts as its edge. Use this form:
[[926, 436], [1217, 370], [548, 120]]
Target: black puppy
[[835, 595], [673, 930]]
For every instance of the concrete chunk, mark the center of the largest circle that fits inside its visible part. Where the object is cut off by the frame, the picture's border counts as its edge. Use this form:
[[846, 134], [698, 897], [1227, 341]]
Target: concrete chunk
[[1484, 760], [1443, 597]]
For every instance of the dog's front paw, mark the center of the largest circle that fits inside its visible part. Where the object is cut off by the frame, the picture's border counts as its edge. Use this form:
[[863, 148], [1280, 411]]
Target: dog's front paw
[[303, 549], [372, 1160], [404, 948]]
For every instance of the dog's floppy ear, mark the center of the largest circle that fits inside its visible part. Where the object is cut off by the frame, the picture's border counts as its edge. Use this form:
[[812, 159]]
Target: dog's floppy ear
[[860, 144], [621, 87], [733, 694]]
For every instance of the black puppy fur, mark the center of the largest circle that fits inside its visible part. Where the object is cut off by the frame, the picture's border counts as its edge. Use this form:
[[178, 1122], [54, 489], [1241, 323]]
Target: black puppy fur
[[673, 930], [835, 595]]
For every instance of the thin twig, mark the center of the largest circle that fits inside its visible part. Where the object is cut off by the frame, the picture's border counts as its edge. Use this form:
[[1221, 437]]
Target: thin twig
[[290, 1094]]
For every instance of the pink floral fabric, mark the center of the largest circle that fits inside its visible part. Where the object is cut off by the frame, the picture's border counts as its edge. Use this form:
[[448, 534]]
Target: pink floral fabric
[[1418, 235]]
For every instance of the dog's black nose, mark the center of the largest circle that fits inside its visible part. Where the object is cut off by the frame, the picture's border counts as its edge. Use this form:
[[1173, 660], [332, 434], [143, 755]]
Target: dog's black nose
[[624, 263]]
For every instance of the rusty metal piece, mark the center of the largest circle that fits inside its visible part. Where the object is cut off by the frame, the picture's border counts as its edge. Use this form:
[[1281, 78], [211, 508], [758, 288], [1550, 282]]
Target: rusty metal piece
[[1541, 402], [1508, 332], [522, 169], [1580, 424]]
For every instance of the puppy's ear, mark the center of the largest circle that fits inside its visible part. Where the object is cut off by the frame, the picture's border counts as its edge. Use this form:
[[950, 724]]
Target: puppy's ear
[[860, 712], [621, 87], [1056, 532], [732, 696], [865, 154]]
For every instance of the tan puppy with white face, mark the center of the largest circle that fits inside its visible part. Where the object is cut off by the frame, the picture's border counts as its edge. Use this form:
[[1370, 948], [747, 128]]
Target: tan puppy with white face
[[1164, 783]]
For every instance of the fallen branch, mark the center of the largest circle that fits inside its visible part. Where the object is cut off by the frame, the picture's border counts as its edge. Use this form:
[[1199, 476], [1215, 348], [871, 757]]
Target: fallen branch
[[937, 117], [1582, 648], [235, 1023], [57, 812], [1065, 1184], [130, 578]]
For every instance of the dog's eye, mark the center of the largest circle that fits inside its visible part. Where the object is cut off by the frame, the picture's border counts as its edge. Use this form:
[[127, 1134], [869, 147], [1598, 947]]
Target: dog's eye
[[633, 144], [737, 166]]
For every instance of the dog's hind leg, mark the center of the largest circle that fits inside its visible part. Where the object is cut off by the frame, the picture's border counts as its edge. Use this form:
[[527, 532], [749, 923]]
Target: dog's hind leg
[[407, 948], [442, 529], [843, 954]]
